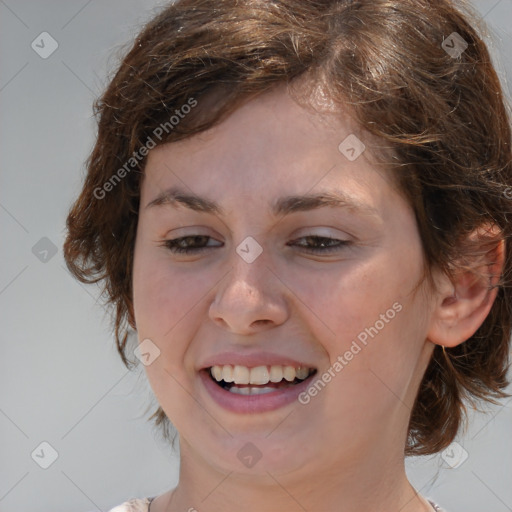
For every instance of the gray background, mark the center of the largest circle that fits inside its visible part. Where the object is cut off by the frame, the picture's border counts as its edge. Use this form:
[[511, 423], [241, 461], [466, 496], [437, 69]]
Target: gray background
[[61, 379]]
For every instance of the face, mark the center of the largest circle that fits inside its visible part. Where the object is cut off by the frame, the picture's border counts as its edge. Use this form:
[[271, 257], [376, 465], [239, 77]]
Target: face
[[316, 295]]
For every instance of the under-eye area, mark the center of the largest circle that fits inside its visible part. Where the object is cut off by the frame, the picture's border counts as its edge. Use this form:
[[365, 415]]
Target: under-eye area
[[258, 380]]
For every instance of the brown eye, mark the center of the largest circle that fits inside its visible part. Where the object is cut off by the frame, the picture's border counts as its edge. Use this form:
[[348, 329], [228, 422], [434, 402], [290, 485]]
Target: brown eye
[[188, 244], [321, 244]]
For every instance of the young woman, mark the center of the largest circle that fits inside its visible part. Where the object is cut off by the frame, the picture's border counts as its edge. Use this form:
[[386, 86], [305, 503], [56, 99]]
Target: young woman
[[302, 208]]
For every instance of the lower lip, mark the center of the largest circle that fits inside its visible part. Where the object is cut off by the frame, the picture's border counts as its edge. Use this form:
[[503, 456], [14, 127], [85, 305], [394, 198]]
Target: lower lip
[[252, 403]]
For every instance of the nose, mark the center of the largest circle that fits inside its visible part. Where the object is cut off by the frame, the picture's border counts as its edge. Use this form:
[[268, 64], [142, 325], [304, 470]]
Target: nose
[[250, 298]]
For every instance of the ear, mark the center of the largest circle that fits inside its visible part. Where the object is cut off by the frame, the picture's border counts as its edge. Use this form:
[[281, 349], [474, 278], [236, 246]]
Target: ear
[[463, 301]]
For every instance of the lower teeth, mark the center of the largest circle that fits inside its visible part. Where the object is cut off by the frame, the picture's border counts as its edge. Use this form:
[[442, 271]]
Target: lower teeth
[[251, 390]]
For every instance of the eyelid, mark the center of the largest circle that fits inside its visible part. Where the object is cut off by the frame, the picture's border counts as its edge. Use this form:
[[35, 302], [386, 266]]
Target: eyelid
[[184, 231], [320, 231], [323, 231]]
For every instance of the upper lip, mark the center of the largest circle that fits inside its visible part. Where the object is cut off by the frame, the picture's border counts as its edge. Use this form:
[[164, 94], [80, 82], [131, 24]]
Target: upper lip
[[252, 360]]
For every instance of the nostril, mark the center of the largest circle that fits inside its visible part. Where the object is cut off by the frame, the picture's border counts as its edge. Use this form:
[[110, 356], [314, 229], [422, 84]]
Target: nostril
[[259, 322]]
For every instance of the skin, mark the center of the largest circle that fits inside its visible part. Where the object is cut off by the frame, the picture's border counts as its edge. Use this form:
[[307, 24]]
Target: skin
[[343, 450]]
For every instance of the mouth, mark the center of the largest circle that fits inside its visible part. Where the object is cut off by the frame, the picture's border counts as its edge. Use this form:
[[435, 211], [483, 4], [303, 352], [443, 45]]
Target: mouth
[[245, 389], [258, 380]]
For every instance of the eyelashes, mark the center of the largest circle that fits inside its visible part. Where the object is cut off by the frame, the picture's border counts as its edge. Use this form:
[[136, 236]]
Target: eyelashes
[[195, 244], [322, 244], [179, 245]]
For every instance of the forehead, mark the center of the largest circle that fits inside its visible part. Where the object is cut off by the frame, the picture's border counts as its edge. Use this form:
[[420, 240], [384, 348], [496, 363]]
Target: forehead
[[271, 144]]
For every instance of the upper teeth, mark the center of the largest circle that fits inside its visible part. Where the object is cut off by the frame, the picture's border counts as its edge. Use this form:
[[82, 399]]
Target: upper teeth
[[257, 375]]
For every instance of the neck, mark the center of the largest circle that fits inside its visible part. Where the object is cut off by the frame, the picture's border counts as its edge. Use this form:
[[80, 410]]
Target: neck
[[361, 486]]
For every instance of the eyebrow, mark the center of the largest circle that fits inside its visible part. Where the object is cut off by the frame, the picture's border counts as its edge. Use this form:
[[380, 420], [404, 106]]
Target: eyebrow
[[281, 207]]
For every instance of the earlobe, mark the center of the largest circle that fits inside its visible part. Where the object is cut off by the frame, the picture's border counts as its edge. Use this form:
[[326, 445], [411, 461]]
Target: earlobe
[[464, 300]]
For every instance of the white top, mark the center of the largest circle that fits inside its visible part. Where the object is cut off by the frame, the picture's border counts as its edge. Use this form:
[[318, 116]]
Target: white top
[[134, 505], [142, 505]]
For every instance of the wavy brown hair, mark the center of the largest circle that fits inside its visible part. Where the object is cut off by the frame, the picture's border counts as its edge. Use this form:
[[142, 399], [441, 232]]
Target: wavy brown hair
[[441, 116]]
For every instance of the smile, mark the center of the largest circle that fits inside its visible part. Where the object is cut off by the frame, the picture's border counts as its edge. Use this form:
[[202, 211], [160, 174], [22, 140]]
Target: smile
[[261, 388], [252, 381]]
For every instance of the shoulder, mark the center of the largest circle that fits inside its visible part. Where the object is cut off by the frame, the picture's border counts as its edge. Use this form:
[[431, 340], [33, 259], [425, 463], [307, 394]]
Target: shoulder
[[133, 505]]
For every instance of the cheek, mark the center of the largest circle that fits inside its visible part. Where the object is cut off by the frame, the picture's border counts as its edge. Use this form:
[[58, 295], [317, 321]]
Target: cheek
[[163, 294], [376, 324], [363, 295], [166, 305]]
